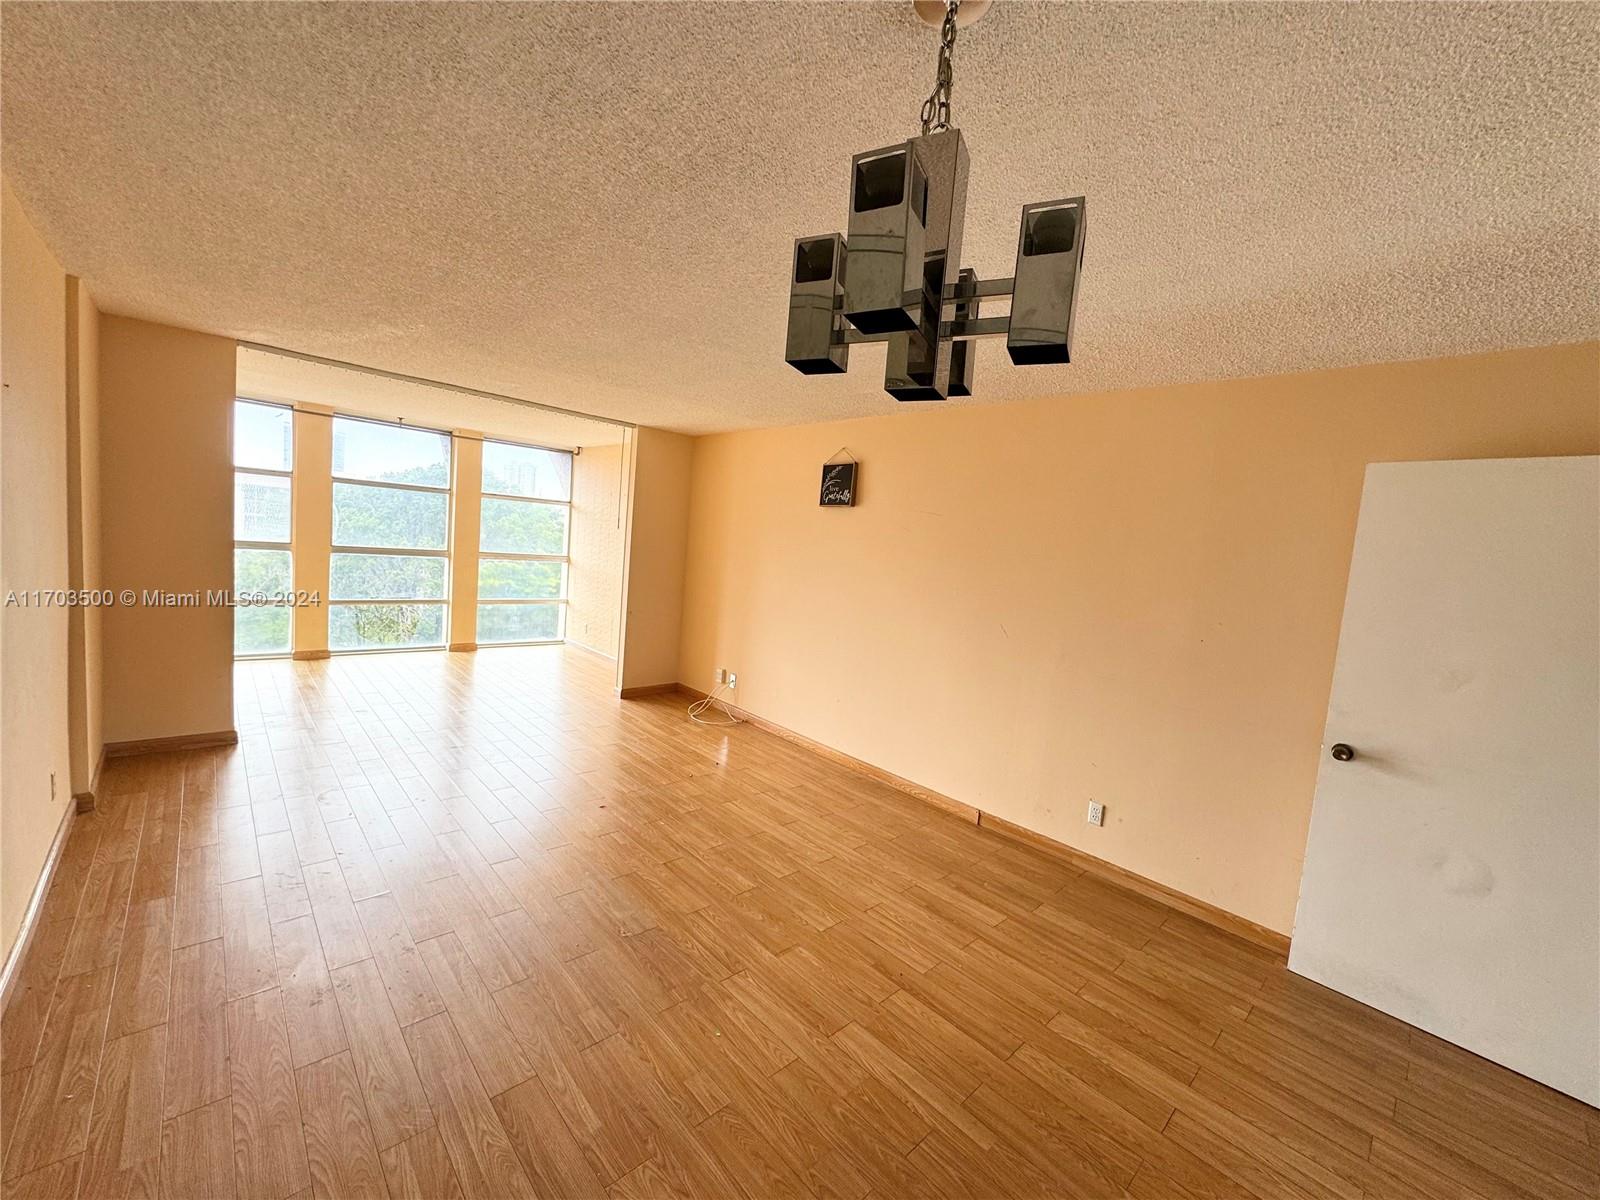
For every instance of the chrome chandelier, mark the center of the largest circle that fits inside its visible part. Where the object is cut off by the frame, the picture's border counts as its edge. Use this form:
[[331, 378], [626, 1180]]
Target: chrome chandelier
[[895, 276]]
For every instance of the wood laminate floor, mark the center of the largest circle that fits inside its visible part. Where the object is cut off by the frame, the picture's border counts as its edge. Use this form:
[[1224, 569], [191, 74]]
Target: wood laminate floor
[[466, 925]]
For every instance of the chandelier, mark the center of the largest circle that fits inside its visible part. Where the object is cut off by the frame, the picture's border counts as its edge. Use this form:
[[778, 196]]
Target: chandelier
[[895, 275]]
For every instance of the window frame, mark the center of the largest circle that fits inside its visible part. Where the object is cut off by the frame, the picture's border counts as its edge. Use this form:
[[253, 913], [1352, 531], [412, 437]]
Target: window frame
[[337, 547], [287, 545], [565, 557]]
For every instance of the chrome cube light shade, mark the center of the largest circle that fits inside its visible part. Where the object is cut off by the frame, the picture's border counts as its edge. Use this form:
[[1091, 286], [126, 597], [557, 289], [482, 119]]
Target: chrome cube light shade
[[815, 289], [918, 366], [887, 231], [964, 353], [1044, 296]]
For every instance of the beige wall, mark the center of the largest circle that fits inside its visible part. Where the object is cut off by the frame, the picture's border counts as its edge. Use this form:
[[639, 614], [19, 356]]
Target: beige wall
[[84, 623], [1131, 597], [594, 579], [34, 754], [166, 419], [653, 564]]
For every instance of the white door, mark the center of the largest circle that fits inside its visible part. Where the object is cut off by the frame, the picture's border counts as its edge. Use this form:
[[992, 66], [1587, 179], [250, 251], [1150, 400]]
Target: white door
[[1452, 873]]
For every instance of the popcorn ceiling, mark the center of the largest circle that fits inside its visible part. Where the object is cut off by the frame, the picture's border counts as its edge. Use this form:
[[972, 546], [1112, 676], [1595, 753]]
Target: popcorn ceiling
[[593, 205]]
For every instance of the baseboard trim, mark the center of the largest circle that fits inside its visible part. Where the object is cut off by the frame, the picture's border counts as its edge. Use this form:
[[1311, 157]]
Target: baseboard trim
[[84, 801], [185, 741], [463, 647], [1201, 910], [955, 807], [647, 689], [310, 655], [12, 971], [610, 658], [1192, 906]]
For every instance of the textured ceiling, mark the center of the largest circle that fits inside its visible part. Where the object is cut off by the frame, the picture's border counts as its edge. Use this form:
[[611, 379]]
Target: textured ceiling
[[593, 205], [265, 375]]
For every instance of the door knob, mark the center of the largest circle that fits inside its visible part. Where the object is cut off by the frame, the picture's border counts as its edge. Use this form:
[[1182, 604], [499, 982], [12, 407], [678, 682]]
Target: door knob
[[1342, 752]]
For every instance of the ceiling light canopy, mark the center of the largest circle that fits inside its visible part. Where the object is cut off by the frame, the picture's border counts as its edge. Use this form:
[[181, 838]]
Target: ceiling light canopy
[[896, 276]]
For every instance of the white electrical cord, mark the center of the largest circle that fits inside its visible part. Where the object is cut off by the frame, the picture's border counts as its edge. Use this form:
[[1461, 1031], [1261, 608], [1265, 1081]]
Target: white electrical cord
[[701, 706]]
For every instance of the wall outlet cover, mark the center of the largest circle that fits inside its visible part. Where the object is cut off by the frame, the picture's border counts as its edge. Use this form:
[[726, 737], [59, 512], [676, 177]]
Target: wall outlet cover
[[733, 679], [1097, 813]]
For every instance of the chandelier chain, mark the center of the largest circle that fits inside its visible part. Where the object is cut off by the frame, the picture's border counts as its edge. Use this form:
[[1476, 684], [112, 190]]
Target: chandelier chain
[[936, 108]]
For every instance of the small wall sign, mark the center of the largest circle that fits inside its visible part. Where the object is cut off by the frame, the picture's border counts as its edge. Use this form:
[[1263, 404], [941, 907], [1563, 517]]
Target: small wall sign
[[839, 485]]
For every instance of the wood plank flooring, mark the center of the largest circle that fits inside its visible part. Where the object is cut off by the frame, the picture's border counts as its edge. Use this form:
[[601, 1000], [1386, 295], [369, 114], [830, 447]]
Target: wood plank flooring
[[466, 925]]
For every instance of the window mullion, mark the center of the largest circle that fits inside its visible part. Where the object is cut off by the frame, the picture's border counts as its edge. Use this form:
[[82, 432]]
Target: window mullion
[[357, 481]]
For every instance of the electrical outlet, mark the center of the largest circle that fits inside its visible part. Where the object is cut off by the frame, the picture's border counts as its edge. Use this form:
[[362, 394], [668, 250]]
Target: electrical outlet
[[52, 787], [733, 679], [1097, 813], [722, 676]]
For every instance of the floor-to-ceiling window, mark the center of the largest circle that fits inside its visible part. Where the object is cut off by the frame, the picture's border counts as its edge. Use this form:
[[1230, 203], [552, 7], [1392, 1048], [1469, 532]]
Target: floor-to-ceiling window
[[522, 543], [263, 576], [390, 566]]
